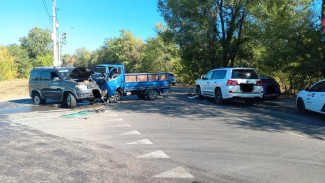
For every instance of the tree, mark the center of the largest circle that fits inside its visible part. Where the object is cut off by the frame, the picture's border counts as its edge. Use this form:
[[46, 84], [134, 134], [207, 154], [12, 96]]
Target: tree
[[83, 57], [38, 42], [159, 53], [43, 60], [208, 32], [126, 49], [8, 69], [21, 59]]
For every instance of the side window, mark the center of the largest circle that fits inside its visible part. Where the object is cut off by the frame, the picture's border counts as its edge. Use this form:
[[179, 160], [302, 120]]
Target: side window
[[53, 74], [45, 76], [34, 76], [209, 75], [320, 87], [220, 74]]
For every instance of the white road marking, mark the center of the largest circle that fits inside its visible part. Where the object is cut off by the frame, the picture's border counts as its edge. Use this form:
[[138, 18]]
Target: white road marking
[[297, 135], [192, 97], [118, 119], [143, 141], [156, 154], [122, 125], [134, 132], [178, 172]]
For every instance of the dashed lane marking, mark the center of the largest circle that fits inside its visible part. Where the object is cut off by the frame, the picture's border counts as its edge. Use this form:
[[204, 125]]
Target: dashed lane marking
[[157, 154], [122, 125], [297, 135], [178, 172], [143, 141], [134, 132]]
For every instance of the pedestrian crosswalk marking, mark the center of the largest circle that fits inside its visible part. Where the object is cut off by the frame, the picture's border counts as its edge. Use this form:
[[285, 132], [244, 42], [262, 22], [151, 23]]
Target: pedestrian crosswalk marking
[[155, 154], [134, 132], [143, 141], [178, 172]]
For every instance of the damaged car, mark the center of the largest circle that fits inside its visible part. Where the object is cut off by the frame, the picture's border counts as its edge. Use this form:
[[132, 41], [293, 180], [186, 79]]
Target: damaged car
[[65, 84]]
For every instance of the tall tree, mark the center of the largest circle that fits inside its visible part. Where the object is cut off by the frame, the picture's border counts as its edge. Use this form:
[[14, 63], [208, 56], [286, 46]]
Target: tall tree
[[38, 42], [8, 69], [83, 57], [22, 60]]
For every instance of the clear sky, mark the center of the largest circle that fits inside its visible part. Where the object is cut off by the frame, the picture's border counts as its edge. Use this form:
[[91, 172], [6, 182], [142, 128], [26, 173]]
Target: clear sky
[[93, 20]]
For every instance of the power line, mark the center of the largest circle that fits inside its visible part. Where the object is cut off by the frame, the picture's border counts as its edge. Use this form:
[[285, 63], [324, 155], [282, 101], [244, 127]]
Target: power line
[[47, 11]]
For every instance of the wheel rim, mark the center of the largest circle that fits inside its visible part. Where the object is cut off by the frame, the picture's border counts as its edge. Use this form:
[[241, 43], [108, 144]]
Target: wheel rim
[[218, 97], [152, 94], [37, 100], [68, 100]]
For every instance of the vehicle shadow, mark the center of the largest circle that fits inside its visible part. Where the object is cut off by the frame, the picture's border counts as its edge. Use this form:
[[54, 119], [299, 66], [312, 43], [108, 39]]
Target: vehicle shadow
[[179, 104]]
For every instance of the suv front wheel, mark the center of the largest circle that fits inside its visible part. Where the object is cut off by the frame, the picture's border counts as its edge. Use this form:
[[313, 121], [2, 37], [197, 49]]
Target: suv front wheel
[[69, 100], [218, 96]]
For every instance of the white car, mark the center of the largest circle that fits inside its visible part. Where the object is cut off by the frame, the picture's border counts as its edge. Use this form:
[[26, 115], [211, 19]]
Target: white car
[[312, 98], [231, 83]]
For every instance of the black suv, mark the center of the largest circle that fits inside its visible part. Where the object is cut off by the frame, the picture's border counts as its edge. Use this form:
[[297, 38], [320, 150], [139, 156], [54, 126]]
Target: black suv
[[66, 84]]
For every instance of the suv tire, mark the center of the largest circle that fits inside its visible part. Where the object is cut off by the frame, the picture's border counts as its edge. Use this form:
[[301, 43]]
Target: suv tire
[[37, 99], [69, 100], [218, 96], [116, 97], [198, 91], [152, 94]]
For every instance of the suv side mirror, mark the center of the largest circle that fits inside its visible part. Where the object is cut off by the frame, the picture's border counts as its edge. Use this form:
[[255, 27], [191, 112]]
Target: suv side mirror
[[56, 79], [203, 77]]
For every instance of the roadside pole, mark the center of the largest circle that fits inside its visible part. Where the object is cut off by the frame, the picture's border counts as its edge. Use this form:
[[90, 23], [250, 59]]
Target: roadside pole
[[54, 37]]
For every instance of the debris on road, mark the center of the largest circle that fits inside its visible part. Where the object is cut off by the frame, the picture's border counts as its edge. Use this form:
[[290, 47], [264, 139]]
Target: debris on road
[[82, 113]]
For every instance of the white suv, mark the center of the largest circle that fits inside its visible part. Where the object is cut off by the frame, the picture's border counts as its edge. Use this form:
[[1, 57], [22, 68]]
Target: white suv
[[231, 83]]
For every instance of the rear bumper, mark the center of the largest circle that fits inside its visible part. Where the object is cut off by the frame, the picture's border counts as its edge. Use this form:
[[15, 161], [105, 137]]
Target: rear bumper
[[243, 96]]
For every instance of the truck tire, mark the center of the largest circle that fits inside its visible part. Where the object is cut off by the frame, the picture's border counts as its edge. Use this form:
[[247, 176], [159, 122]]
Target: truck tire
[[116, 97], [69, 101], [152, 94], [37, 99]]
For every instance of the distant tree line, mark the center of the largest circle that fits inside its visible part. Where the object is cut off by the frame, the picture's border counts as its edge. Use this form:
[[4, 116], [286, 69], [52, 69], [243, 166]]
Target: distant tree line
[[279, 38]]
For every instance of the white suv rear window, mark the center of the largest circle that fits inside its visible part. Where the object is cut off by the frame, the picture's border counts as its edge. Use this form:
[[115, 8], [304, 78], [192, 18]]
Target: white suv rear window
[[244, 74]]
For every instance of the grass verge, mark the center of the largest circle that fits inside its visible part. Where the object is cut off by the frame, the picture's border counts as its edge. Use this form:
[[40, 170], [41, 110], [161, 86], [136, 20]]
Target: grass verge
[[14, 89]]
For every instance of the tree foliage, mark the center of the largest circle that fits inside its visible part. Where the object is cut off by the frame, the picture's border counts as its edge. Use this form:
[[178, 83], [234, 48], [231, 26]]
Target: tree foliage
[[21, 59], [8, 69], [38, 42]]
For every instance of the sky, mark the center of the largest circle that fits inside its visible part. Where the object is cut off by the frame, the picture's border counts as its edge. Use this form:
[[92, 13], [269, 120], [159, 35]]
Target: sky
[[92, 20]]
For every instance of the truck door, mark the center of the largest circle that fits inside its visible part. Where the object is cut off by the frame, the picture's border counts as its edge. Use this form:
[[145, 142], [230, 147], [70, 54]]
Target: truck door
[[114, 80]]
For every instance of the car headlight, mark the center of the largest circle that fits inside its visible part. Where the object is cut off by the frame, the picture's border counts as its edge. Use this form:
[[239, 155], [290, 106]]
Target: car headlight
[[81, 86]]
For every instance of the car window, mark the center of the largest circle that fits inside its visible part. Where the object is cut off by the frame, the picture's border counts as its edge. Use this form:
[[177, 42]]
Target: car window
[[219, 74], [34, 76], [209, 75], [244, 74], [320, 87], [45, 76]]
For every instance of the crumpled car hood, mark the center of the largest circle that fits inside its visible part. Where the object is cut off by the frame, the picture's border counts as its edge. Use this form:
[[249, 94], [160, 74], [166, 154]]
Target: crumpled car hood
[[81, 73]]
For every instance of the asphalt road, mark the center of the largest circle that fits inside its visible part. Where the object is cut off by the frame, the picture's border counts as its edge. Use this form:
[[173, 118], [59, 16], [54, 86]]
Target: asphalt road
[[171, 139]]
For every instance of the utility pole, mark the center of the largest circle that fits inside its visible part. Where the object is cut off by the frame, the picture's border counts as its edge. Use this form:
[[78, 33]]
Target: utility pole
[[54, 37]]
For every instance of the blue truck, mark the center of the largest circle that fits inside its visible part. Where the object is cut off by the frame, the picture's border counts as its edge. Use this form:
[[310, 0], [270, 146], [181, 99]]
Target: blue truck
[[115, 83]]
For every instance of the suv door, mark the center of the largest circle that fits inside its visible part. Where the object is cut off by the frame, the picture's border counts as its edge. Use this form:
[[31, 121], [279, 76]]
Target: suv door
[[216, 80], [55, 88], [45, 84], [316, 97], [205, 84]]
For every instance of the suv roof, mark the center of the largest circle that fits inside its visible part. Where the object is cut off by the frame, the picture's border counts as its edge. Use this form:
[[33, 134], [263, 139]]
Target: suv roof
[[232, 68]]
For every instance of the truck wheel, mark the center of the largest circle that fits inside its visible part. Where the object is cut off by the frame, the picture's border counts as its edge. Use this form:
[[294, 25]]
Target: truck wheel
[[69, 100], [116, 97], [37, 99], [218, 96], [152, 94]]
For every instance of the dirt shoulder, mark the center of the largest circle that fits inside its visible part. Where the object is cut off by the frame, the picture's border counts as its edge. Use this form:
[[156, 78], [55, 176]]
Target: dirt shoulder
[[14, 89]]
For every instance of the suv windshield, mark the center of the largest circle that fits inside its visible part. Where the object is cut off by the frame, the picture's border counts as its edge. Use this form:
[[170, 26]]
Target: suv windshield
[[244, 74], [65, 72]]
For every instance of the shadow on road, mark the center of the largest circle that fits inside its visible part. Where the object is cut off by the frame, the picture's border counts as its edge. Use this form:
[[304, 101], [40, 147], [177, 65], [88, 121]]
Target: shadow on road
[[235, 113]]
